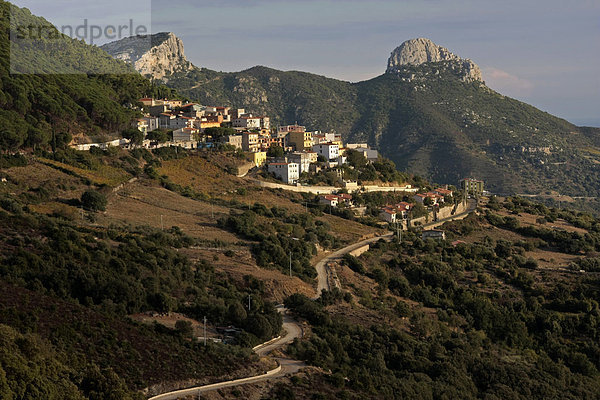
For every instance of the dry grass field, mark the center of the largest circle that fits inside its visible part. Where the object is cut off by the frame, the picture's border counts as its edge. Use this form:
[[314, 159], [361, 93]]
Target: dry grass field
[[38, 175], [278, 285], [104, 175], [146, 203]]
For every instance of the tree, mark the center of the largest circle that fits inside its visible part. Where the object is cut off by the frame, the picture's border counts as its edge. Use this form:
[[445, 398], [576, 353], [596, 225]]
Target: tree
[[62, 139], [158, 135], [275, 151], [93, 200], [419, 211], [184, 328], [218, 132], [236, 313], [355, 158], [134, 135]]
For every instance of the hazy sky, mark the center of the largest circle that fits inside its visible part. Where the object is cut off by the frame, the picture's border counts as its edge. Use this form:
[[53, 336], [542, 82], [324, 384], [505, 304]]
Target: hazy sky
[[544, 52]]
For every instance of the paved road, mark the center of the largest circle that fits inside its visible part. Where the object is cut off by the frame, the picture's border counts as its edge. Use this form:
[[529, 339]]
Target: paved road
[[286, 365], [292, 328], [321, 268]]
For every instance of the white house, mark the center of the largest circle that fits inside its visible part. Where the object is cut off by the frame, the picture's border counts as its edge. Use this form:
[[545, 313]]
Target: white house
[[369, 154], [303, 159], [181, 122], [443, 192], [434, 197], [287, 172], [329, 199], [184, 135], [388, 214], [433, 234], [247, 122], [148, 124], [328, 150], [164, 120]]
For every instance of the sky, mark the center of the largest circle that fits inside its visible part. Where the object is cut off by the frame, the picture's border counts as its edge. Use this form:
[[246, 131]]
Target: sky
[[543, 52]]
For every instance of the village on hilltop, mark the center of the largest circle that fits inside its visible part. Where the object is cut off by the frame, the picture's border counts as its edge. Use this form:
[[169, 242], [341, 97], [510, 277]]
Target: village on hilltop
[[285, 153]]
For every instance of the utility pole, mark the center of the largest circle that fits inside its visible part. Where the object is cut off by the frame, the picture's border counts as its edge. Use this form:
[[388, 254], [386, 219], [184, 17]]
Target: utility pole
[[249, 303], [204, 330], [162, 227], [290, 264]]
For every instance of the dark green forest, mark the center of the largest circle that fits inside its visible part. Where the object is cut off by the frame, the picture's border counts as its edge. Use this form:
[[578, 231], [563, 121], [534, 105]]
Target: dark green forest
[[496, 332], [67, 291], [36, 109]]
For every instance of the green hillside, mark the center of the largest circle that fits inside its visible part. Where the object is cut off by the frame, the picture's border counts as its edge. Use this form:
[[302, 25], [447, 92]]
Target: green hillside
[[34, 107], [426, 119]]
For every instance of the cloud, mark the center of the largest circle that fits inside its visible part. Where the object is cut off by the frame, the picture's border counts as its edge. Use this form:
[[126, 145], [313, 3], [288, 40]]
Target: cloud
[[507, 83]]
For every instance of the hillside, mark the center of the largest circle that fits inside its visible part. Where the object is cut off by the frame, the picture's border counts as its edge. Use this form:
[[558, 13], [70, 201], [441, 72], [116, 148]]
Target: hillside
[[59, 101], [426, 119], [168, 246], [434, 117]]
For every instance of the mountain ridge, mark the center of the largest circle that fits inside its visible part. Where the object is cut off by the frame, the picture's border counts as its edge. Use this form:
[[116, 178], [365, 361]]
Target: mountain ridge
[[420, 51], [431, 113]]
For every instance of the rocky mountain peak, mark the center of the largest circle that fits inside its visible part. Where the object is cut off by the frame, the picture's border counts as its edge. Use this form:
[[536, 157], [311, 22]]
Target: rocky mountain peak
[[419, 51], [156, 56]]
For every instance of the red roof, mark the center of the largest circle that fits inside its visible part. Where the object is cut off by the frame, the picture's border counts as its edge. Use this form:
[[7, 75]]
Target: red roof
[[330, 197], [404, 205]]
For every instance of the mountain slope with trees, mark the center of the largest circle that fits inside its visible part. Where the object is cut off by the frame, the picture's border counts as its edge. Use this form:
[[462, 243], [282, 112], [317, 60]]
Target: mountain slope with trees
[[39, 110], [426, 118]]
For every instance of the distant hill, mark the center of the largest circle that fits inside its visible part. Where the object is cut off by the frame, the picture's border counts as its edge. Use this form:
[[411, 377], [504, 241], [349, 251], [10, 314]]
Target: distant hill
[[51, 95], [430, 112]]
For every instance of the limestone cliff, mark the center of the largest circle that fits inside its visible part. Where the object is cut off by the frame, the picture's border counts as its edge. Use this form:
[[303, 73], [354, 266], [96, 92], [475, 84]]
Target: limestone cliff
[[156, 56], [419, 51]]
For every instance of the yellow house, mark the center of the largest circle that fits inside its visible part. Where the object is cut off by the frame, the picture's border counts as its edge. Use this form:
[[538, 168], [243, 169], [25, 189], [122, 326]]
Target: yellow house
[[259, 158]]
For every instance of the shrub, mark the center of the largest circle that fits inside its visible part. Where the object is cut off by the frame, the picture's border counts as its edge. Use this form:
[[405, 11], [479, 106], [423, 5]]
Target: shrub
[[93, 200]]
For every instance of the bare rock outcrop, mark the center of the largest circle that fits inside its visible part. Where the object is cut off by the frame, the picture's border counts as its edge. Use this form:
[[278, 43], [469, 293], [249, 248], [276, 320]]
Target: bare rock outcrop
[[419, 51], [156, 56]]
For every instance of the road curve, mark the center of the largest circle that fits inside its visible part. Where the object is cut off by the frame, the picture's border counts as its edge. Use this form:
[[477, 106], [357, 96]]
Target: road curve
[[292, 328], [321, 268], [286, 365]]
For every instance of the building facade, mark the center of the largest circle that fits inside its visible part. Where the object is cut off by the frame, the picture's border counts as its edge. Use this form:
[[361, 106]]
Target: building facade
[[472, 186], [328, 150], [287, 172]]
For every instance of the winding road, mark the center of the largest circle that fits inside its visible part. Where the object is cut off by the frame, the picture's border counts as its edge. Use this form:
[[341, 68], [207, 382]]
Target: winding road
[[286, 365], [321, 267], [292, 328]]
